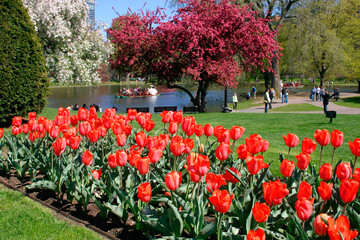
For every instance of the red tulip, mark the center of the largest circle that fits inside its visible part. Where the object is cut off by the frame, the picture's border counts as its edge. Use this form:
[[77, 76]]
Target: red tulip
[[178, 116], [141, 139], [24, 128], [356, 174], [142, 165], [1, 132], [274, 192], [59, 146], [82, 114], [121, 139], [191, 130], [264, 145], [229, 177], [221, 200], [133, 156], [177, 146], [16, 121], [236, 132], [287, 167], [102, 131], [342, 227], [242, 151], [348, 190], [144, 192], [321, 228], [84, 128], [214, 181], [193, 176], [173, 180], [337, 138], [16, 130], [122, 157], [343, 171], [322, 137], [258, 235], [189, 145], [72, 131], [255, 164], [166, 116], [208, 130], [261, 212], [291, 140], [199, 130], [197, 163], [149, 125], [87, 158], [112, 161], [355, 147], [132, 114], [304, 208], [223, 151], [218, 131], [187, 123], [74, 120], [308, 146], [96, 174], [224, 136], [93, 135], [155, 154], [303, 161], [325, 190], [74, 142], [173, 127], [118, 126], [32, 125], [253, 143], [127, 130], [32, 115], [325, 172], [54, 131], [305, 190]]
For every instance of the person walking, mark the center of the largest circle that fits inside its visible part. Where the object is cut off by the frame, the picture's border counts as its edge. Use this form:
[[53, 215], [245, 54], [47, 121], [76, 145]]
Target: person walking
[[313, 92], [266, 100], [253, 90], [235, 101], [326, 99], [283, 92], [286, 95]]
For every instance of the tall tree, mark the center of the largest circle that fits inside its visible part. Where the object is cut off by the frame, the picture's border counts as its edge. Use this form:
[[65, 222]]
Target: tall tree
[[72, 50], [23, 80], [201, 40]]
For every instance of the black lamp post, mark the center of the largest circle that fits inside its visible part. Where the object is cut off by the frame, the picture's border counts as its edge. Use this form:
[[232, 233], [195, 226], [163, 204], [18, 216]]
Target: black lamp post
[[225, 107]]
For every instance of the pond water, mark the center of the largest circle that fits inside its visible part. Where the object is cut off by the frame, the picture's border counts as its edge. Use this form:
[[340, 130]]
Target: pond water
[[103, 95]]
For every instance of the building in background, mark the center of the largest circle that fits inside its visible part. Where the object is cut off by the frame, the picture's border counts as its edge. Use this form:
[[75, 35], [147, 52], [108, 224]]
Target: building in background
[[91, 16]]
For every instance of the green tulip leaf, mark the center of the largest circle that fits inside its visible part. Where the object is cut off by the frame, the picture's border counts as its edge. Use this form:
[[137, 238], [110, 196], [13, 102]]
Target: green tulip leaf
[[175, 219]]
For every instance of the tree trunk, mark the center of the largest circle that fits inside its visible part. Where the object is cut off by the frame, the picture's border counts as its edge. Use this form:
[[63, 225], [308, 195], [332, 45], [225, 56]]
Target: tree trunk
[[267, 76], [358, 86], [128, 77]]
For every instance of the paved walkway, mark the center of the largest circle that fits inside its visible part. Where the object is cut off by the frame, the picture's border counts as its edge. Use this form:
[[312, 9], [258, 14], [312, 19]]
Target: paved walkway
[[305, 99]]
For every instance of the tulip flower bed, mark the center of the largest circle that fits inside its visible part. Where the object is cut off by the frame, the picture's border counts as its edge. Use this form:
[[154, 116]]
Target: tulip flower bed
[[186, 179]]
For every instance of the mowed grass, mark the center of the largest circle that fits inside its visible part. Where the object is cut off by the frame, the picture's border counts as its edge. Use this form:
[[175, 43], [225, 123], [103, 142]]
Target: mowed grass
[[304, 107], [22, 218], [352, 102]]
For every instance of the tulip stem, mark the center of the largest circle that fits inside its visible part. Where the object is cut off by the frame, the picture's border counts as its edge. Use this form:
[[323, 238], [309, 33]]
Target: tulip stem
[[187, 189], [220, 167], [332, 158], [354, 163], [321, 150], [345, 208], [288, 153], [121, 178], [246, 190], [72, 166], [233, 145], [219, 232], [174, 166]]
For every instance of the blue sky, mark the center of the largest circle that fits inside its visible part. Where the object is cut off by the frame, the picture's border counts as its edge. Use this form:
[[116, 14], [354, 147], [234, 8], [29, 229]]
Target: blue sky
[[104, 8]]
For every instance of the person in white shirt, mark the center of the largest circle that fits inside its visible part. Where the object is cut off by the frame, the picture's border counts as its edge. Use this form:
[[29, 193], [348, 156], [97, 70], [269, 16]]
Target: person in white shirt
[[266, 100]]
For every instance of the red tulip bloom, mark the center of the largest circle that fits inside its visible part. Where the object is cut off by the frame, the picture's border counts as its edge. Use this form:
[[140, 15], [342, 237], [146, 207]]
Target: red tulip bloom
[[16, 130], [132, 114], [107, 121], [224, 136], [121, 139], [173, 127], [82, 114], [264, 145], [84, 128], [253, 143], [303, 161], [16, 121], [149, 125], [112, 161], [187, 123], [166, 116], [325, 172], [87, 158], [32, 125], [325, 190], [193, 176], [214, 181], [197, 163], [322, 137], [59, 146], [305, 190], [32, 115], [199, 130], [242, 151], [173, 180], [54, 131], [122, 157], [343, 171], [24, 128], [287, 167], [356, 174], [155, 155], [127, 130], [142, 165], [1, 132], [342, 227], [255, 164], [72, 131], [221, 200], [261, 212], [218, 131], [355, 147], [102, 131], [348, 190], [337, 138], [177, 146], [133, 156], [144, 192], [141, 139], [118, 126], [178, 116], [223, 151], [208, 130], [96, 173], [321, 228], [236, 132], [304, 208], [74, 120], [93, 135], [74, 142], [274, 192], [189, 145], [258, 235], [308, 146], [291, 140], [229, 177]]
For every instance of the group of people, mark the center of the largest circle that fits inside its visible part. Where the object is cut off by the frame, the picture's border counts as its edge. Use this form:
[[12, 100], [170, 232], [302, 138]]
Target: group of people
[[322, 94], [139, 91], [76, 107]]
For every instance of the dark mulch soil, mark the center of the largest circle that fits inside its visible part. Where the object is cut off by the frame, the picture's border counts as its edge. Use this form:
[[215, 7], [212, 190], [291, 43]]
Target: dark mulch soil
[[111, 227]]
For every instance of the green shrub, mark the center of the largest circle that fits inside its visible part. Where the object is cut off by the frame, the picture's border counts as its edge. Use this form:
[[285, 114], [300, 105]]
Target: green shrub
[[23, 76]]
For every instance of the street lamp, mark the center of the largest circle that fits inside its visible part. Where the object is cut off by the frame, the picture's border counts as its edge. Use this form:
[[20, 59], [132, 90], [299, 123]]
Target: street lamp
[[225, 107]]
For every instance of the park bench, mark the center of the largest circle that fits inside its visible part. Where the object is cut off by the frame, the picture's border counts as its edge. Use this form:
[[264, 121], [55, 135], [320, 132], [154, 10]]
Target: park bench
[[190, 109], [166, 108], [140, 109], [331, 115]]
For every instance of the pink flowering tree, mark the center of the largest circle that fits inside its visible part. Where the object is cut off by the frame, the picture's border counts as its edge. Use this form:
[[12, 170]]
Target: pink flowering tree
[[210, 42]]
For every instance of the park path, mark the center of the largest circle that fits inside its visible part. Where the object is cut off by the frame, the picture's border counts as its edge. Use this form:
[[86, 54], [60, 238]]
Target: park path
[[305, 99]]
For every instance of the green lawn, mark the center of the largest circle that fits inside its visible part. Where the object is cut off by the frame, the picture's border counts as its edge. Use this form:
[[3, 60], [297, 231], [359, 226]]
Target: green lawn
[[297, 108], [247, 104], [22, 218], [352, 102]]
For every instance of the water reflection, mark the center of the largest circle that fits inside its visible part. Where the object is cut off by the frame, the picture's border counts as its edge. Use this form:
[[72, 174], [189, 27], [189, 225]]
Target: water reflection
[[103, 96]]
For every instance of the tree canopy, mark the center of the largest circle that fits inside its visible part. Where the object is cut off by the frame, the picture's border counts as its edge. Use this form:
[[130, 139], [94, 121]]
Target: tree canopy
[[201, 40]]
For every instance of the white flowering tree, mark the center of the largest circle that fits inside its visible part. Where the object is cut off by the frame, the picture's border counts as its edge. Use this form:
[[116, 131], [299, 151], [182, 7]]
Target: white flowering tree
[[72, 50]]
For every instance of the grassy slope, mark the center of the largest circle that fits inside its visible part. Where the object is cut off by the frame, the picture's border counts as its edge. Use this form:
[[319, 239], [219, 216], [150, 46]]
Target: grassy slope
[[22, 218], [297, 108], [353, 102]]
